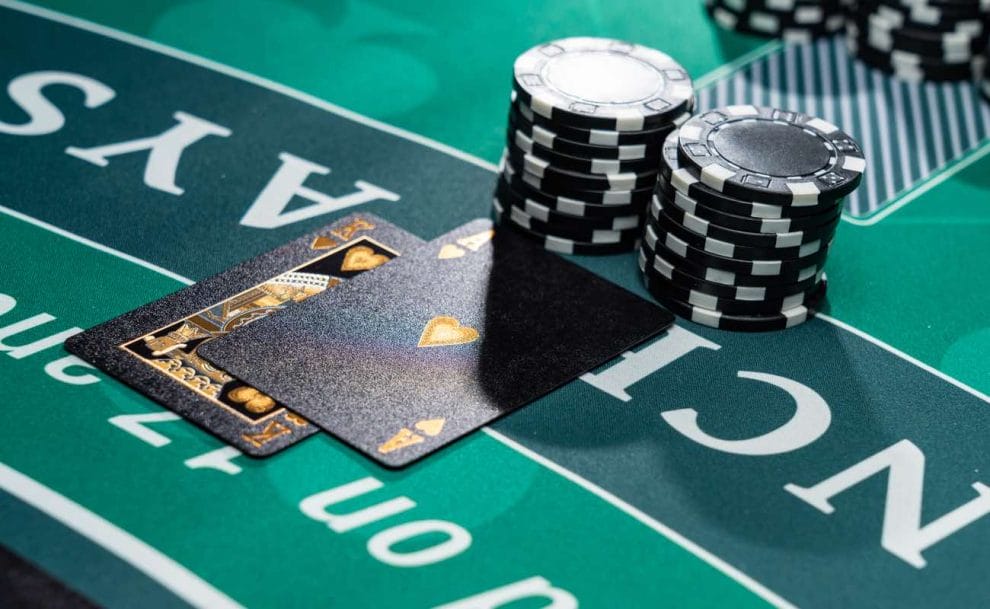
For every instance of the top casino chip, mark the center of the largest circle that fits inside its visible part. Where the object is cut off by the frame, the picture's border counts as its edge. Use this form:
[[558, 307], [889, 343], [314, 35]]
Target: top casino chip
[[771, 156], [600, 83]]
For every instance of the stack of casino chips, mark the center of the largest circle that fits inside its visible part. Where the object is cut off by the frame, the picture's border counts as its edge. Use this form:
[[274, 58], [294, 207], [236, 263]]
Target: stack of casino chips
[[743, 216], [920, 40], [587, 121], [792, 20]]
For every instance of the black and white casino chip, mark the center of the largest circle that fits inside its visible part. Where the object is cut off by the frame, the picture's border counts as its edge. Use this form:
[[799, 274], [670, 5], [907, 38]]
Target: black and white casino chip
[[560, 244], [523, 118], [699, 226], [554, 176], [947, 46], [726, 249], [771, 156], [745, 210], [520, 194], [681, 275], [738, 322], [527, 182], [920, 40], [592, 165], [601, 83], [649, 149], [730, 305], [929, 15], [791, 20], [786, 270], [587, 121], [915, 67], [686, 180], [582, 234], [545, 213], [771, 226], [715, 275], [913, 40]]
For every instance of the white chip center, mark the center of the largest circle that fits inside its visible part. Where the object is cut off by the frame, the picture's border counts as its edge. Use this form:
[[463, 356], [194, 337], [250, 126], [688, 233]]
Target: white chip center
[[603, 78]]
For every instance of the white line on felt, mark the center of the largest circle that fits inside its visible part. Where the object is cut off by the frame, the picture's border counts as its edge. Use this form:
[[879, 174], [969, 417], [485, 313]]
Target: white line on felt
[[895, 351], [746, 581], [173, 576], [93, 244]]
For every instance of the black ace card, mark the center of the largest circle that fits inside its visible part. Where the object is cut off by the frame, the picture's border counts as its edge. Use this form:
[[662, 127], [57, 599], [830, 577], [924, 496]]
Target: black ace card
[[439, 342]]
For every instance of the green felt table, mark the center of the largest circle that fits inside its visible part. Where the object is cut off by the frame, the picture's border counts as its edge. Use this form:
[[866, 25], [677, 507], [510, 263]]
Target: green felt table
[[840, 463]]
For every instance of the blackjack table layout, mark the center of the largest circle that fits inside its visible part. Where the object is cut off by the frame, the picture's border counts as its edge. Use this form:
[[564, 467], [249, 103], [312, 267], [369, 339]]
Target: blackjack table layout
[[838, 457]]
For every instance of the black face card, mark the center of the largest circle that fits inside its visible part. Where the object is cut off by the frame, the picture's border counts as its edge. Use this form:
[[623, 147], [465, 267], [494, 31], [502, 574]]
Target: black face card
[[155, 348], [440, 342]]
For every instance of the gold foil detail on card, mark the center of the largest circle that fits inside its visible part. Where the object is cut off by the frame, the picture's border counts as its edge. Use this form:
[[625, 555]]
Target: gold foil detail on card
[[404, 438], [362, 258], [443, 331]]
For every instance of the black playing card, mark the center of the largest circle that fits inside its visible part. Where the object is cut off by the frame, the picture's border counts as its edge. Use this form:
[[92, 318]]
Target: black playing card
[[155, 348], [439, 342]]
